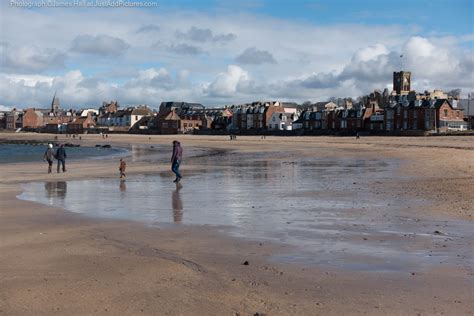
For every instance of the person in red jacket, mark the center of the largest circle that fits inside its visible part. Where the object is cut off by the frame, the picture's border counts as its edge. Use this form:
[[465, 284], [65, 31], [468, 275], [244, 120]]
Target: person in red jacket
[[176, 160]]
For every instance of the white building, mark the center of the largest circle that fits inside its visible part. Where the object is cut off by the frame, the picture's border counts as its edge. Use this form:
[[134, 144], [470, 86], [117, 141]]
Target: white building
[[283, 121]]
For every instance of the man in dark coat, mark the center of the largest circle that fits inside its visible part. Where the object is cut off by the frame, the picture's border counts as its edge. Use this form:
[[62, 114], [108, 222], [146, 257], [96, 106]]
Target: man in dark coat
[[61, 157]]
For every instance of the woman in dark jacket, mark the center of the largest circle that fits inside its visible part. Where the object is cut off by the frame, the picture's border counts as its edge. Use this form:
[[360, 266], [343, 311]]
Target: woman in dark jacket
[[176, 160], [49, 157]]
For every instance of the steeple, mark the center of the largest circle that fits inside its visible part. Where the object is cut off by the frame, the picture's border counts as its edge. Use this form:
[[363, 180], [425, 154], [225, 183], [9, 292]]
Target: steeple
[[55, 104]]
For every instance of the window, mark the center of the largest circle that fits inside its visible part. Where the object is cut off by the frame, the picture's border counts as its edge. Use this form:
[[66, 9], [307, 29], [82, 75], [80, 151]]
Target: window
[[136, 117], [445, 112], [405, 114], [415, 114], [185, 124]]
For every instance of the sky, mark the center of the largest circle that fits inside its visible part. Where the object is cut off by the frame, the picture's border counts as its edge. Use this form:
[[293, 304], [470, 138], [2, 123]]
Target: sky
[[219, 52]]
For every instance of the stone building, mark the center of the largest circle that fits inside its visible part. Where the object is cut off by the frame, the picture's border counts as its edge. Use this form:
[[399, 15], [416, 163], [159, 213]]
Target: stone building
[[401, 82]]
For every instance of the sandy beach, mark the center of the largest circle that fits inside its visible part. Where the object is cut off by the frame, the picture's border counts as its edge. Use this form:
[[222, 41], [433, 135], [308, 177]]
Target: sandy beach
[[53, 261]]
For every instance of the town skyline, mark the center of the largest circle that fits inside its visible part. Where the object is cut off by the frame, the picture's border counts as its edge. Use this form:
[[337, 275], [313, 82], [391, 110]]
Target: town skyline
[[220, 54]]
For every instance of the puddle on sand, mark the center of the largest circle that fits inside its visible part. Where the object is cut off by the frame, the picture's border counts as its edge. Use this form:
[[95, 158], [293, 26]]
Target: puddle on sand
[[311, 204]]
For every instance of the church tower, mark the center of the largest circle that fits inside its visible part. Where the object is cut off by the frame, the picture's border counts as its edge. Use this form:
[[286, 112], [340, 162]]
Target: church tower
[[401, 82], [55, 104]]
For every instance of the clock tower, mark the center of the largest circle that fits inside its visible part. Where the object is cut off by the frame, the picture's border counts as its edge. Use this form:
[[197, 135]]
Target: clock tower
[[401, 82]]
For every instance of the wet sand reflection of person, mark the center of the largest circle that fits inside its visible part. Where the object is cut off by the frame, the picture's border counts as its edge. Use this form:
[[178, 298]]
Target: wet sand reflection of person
[[177, 204], [123, 186], [56, 189]]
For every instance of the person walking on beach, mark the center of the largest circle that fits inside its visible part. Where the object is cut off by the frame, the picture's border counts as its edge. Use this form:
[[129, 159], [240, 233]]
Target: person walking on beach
[[61, 157], [176, 160], [122, 167], [49, 157]]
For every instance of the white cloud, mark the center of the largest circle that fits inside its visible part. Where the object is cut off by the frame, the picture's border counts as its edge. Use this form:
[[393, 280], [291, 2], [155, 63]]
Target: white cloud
[[256, 57], [29, 58], [204, 35], [227, 83], [104, 45], [194, 51], [148, 28]]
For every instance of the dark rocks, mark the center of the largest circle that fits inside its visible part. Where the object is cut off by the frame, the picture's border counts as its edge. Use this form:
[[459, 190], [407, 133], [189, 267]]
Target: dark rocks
[[106, 146], [246, 263], [71, 145]]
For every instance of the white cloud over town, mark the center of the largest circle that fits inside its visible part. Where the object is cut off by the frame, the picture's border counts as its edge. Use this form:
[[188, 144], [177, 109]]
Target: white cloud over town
[[139, 56]]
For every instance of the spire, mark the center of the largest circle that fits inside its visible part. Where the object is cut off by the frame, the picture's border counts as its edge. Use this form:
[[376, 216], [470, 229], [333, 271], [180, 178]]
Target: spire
[[55, 104]]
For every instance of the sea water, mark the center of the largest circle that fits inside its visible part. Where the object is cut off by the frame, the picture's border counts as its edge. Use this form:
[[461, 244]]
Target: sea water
[[34, 152]]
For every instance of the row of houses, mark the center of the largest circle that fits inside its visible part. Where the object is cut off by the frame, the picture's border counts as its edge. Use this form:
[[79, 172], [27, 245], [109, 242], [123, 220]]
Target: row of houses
[[420, 115], [401, 110], [182, 117]]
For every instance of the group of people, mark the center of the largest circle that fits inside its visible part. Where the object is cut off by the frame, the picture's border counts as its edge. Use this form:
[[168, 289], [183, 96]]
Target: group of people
[[176, 158], [60, 155]]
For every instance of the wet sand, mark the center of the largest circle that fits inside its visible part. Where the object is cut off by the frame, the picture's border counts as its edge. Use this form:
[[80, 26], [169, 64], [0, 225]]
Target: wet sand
[[54, 261]]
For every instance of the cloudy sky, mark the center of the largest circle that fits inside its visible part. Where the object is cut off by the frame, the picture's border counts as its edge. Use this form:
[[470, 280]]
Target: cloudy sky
[[227, 52]]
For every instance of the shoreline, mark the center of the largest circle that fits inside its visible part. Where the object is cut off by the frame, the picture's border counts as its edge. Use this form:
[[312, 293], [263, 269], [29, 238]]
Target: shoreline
[[157, 269]]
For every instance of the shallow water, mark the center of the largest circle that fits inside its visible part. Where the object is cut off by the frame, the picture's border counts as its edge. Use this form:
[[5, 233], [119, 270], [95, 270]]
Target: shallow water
[[34, 152], [323, 208]]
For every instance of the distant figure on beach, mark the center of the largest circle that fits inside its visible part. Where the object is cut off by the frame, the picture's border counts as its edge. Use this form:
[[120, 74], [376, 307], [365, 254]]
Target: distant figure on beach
[[61, 157], [357, 135], [122, 167], [49, 157], [176, 160]]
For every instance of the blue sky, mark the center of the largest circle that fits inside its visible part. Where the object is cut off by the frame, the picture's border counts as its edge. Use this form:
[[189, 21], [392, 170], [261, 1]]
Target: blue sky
[[432, 16], [226, 52]]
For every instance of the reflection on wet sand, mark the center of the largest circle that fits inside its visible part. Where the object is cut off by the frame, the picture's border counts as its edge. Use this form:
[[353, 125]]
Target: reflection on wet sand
[[123, 186], [318, 205], [177, 204], [56, 189]]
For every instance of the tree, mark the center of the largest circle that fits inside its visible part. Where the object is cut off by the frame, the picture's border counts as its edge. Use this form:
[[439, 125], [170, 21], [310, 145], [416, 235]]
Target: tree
[[455, 93]]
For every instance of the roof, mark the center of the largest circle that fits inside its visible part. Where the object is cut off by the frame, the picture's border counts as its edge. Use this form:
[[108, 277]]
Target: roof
[[440, 102], [143, 110], [81, 120], [180, 105], [289, 104], [169, 116]]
